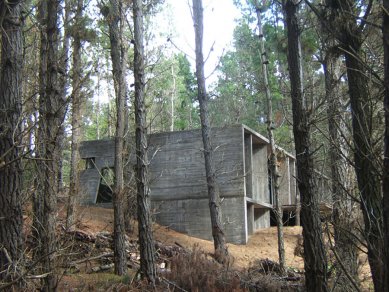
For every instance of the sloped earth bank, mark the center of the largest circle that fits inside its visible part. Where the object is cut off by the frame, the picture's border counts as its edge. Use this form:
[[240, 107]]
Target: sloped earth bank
[[261, 245], [92, 238]]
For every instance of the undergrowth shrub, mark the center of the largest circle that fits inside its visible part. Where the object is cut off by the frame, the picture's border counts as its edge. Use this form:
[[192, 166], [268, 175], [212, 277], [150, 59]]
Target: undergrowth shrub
[[265, 275], [196, 271]]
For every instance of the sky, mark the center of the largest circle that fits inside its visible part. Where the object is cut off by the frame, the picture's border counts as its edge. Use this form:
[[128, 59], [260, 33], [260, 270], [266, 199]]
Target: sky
[[176, 22], [219, 24]]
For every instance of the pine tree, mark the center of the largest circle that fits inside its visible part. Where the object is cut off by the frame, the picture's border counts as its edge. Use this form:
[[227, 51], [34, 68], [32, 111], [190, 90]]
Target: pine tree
[[315, 261], [11, 220], [213, 190]]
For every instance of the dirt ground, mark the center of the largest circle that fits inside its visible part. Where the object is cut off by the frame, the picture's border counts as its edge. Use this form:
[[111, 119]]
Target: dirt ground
[[261, 245]]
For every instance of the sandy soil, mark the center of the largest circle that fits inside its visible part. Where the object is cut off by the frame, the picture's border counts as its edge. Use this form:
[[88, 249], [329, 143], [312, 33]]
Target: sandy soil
[[261, 245]]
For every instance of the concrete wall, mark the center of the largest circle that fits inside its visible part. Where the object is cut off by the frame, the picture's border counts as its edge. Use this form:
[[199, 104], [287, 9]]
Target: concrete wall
[[98, 154], [178, 183], [191, 216], [177, 165], [258, 202], [101, 150], [178, 189], [287, 181]]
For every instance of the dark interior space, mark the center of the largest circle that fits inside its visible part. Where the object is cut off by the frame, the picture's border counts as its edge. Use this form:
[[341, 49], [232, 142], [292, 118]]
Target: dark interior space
[[104, 194], [288, 218]]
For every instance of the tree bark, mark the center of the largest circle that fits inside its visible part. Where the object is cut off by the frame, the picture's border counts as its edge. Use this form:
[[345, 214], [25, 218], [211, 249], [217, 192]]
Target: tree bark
[[146, 242], [51, 116], [315, 261], [350, 36], [63, 64], [385, 183], [74, 188], [275, 175], [11, 220], [213, 190], [342, 217], [366, 167], [349, 30], [37, 197], [114, 18]]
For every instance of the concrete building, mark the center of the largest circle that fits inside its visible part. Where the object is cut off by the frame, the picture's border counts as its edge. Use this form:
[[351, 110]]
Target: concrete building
[[178, 189]]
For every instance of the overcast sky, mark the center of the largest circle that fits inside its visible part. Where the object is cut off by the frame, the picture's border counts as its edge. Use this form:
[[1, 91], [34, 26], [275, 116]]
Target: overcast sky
[[219, 16]]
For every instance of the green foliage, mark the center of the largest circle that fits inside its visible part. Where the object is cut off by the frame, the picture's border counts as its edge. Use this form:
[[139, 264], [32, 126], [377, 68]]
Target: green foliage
[[99, 120], [171, 94], [239, 96]]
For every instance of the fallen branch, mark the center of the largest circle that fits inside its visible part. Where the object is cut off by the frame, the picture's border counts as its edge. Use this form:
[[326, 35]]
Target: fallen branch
[[38, 276], [102, 268], [108, 254], [173, 284]]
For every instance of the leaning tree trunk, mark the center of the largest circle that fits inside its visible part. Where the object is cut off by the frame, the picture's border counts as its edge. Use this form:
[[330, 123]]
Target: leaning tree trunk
[[366, 167], [74, 188], [342, 218], [315, 261], [11, 220], [146, 242], [275, 175], [113, 16], [349, 31], [350, 36], [385, 32], [213, 190]]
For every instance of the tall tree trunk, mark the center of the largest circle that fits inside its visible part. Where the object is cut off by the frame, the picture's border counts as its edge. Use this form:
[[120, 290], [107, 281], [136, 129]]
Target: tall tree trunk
[[114, 18], [349, 30], [315, 261], [350, 33], [51, 117], [146, 242], [350, 36], [366, 167], [275, 175], [37, 197], [213, 190], [63, 63], [342, 218], [385, 33], [11, 220], [74, 188]]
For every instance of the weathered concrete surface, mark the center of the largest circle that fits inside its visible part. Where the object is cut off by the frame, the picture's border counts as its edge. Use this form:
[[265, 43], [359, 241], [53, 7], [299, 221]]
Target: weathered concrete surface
[[89, 182], [178, 189], [178, 184]]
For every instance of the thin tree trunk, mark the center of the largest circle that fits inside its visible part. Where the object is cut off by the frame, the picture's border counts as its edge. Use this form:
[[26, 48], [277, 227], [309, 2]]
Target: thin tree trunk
[[172, 99], [63, 62], [74, 188], [114, 18], [213, 190], [350, 33], [275, 175], [146, 242], [342, 219], [385, 183], [366, 167], [11, 220], [315, 261]]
